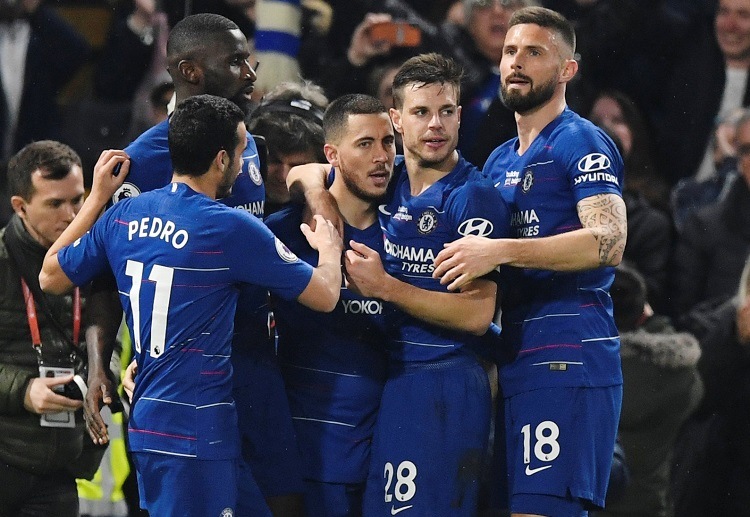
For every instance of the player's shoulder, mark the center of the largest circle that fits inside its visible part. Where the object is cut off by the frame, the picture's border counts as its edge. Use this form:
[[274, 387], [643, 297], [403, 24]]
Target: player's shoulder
[[156, 137], [285, 219], [500, 152], [578, 131], [150, 163], [469, 177]]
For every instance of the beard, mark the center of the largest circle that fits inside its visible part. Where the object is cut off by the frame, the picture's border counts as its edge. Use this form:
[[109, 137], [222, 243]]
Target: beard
[[245, 104], [224, 189], [360, 192], [522, 103]]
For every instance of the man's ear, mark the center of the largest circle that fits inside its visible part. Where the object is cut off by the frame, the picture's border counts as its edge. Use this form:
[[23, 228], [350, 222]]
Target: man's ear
[[396, 119], [19, 206], [569, 70], [221, 160], [192, 73], [332, 154]]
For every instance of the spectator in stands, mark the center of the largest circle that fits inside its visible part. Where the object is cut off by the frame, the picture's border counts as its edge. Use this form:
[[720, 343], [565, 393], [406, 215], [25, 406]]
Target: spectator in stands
[[715, 240], [477, 45], [693, 100], [691, 194], [712, 468], [661, 388], [39, 54], [617, 113], [650, 234]]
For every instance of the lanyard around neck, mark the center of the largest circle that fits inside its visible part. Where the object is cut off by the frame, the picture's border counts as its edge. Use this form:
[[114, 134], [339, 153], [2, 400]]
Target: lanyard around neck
[[36, 339]]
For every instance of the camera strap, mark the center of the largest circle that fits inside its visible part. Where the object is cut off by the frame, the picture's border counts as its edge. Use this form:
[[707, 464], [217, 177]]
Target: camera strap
[[36, 340]]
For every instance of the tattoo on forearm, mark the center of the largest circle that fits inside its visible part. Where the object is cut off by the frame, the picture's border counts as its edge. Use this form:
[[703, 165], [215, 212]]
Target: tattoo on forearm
[[604, 215]]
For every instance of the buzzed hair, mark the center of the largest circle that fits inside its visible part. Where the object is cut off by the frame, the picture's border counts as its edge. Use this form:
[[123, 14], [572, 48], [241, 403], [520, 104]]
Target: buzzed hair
[[193, 32], [548, 19], [53, 159], [424, 70], [201, 126], [337, 114]]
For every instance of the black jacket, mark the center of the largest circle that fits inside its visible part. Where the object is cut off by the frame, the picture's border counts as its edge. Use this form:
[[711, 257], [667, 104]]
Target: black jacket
[[56, 52], [711, 251], [23, 442]]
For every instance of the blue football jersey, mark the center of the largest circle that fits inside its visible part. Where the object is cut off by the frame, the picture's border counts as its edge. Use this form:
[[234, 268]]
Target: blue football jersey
[[151, 168], [333, 365], [557, 325], [178, 262], [415, 228]]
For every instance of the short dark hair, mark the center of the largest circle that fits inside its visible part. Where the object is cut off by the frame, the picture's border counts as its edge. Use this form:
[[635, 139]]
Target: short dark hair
[[54, 160], [200, 127], [427, 69], [193, 32], [548, 19], [629, 297], [337, 115], [290, 118]]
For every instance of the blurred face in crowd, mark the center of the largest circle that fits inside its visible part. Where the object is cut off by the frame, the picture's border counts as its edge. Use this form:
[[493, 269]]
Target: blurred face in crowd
[[278, 169], [385, 87], [535, 62], [742, 142], [226, 69], [51, 206], [428, 122], [488, 24], [733, 31], [608, 114], [364, 155]]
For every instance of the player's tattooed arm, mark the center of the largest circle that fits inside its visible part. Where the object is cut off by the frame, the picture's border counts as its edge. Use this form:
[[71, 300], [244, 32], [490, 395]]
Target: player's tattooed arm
[[604, 215]]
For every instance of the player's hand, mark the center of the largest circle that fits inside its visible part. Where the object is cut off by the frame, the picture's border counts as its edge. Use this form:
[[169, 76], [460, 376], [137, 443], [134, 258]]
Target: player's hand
[[364, 271], [40, 397], [110, 172], [461, 261], [99, 393], [324, 238], [128, 380], [321, 202], [363, 47]]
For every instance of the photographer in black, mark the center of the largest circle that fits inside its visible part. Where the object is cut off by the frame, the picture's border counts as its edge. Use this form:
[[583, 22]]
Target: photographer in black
[[43, 445]]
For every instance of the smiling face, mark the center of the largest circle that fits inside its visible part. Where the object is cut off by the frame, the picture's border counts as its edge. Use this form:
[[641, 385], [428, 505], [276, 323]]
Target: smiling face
[[428, 122], [364, 155], [733, 31], [226, 69], [534, 67]]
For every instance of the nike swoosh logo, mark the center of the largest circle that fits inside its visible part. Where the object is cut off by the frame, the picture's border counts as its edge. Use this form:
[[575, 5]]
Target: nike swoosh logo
[[386, 212], [395, 510], [531, 472]]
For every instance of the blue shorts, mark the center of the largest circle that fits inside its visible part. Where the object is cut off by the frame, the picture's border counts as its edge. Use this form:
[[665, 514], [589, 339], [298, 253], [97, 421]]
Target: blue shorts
[[559, 444], [269, 445], [333, 499], [429, 442], [171, 485]]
